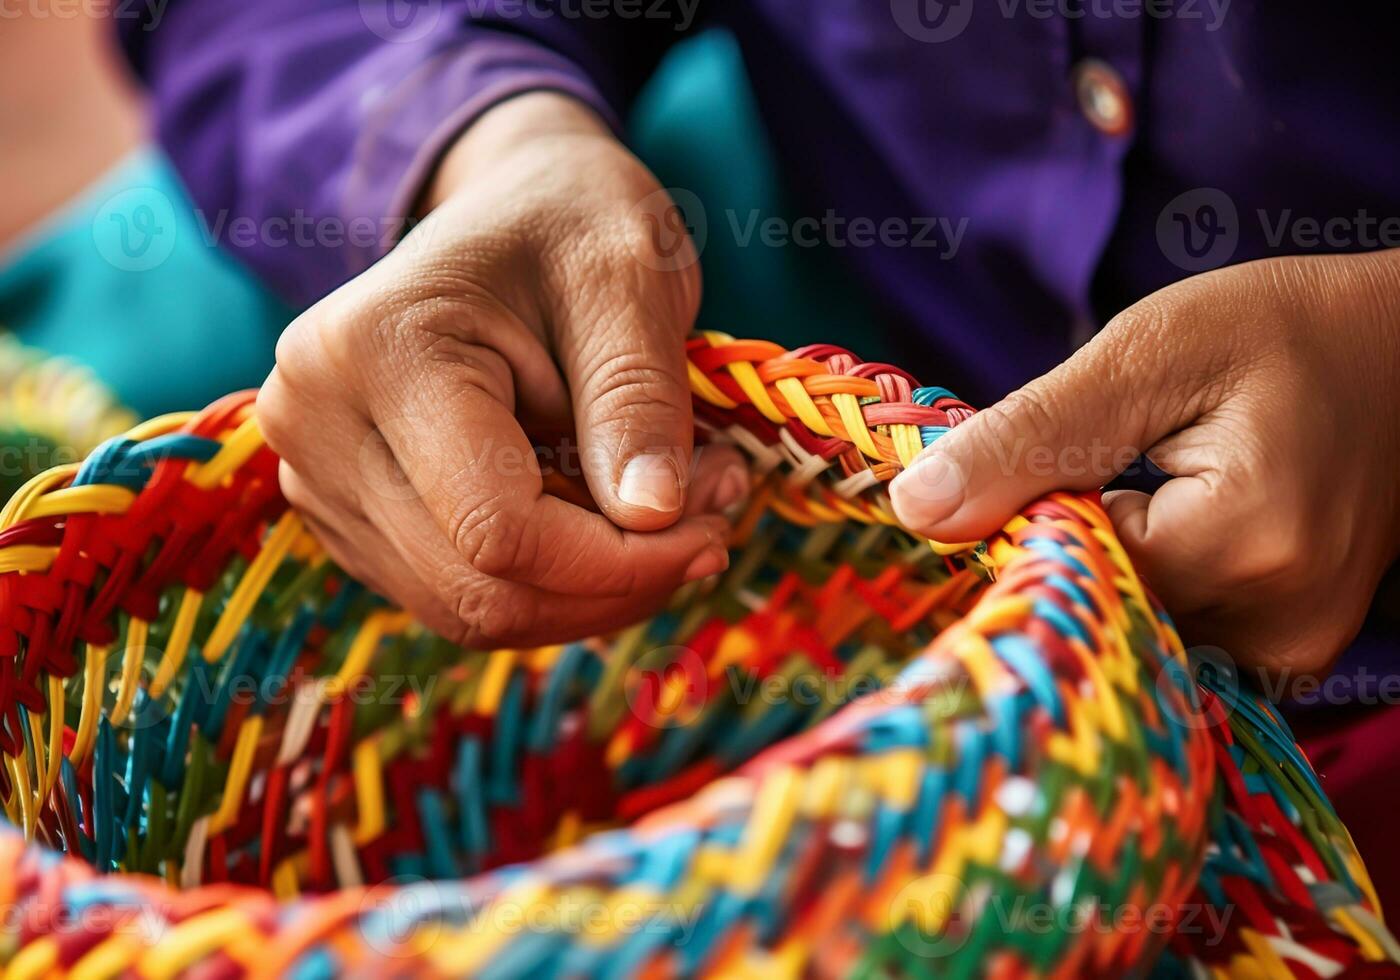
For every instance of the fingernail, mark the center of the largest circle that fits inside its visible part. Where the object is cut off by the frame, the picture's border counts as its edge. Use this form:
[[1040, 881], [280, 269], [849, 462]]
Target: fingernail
[[709, 562], [733, 486], [929, 491], [650, 480]]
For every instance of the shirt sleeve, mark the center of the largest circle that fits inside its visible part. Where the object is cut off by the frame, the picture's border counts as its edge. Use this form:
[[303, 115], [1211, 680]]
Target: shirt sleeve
[[305, 131]]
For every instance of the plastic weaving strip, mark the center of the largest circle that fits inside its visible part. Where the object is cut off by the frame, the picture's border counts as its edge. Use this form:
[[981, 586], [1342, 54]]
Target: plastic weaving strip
[[855, 752]]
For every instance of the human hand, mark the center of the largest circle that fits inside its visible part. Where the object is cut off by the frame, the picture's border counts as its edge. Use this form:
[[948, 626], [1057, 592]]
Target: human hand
[[1270, 391], [525, 305]]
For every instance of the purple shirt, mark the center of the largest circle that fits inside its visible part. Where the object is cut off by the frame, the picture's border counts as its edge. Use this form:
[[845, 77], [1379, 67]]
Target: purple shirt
[[1090, 151]]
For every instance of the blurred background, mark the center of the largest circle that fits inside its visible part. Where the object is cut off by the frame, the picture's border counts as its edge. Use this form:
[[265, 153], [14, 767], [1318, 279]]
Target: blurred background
[[102, 258]]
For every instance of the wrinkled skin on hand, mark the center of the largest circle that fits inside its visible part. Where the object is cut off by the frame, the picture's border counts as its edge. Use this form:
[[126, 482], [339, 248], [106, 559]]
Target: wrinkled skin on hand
[[538, 299], [1270, 391]]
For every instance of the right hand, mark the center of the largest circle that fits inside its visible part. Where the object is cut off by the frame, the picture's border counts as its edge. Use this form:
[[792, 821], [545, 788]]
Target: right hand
[[538, 298]]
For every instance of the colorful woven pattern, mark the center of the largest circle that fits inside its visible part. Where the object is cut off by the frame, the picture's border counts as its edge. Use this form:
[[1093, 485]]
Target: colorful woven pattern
[[850, 754]]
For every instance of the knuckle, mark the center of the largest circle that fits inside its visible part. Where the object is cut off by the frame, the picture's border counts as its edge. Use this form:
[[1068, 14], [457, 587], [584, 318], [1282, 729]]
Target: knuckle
[[490, 617], [274, 413], [294, 489], [303, 347], [492, 538], [1143, 320], [1027, 416], [624, 382], [1141, 342], [332, 343]]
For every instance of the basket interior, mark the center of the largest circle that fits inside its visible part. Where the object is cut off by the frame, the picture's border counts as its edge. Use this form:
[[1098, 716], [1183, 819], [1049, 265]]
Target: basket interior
[[491, 758]]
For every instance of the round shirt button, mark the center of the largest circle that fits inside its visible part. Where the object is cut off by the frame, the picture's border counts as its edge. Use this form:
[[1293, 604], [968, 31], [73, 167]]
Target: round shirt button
[[1103, 97]]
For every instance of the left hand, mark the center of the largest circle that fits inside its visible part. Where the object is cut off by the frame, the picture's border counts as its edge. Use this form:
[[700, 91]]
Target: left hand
[[1270, 391]]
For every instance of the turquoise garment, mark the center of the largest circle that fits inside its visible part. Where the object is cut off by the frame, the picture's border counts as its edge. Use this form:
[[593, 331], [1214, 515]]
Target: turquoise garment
[[125, 280], [697, 126]]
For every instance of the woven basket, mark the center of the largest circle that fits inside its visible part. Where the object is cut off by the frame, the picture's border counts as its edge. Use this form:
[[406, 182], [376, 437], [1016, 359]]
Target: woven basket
[[51, 411], [852, 753]]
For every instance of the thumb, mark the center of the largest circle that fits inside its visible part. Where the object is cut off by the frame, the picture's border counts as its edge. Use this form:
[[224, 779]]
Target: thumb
[[1075, 428], [632, 410]]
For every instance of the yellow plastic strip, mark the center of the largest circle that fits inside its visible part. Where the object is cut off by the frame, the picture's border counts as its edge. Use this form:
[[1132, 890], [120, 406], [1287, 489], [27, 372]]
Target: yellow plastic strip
[[24, 498], [746, 376], [465, 952], [285, 886], [369, 792], [703, 387], [239, 769], [160, 425], [92, 703], [807, 412], [1370, 948], [366, 641], [34, 960], [107, 959], [246, 440], [195, 938], [19, 784], [848, 407], [133, 656], [179, 644], [767, 830], [493, 681], [908, 443], [254, 581], [53, 769], [41, 757], [27, 558], [825, 785], [94, 499]]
